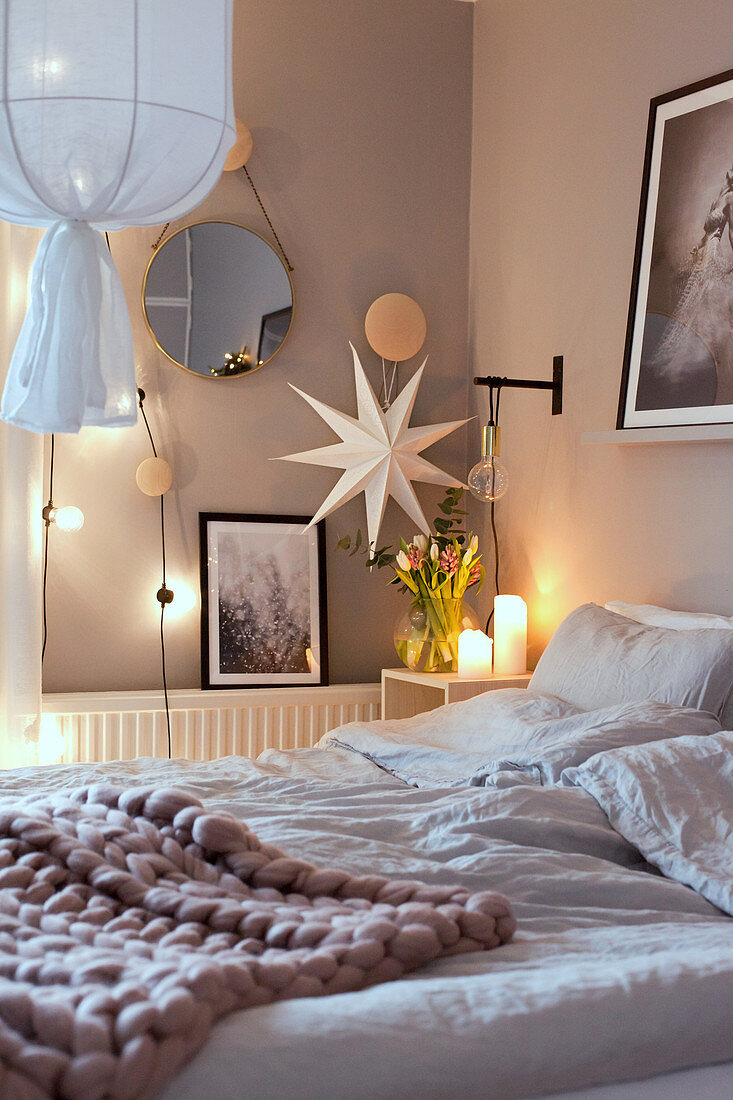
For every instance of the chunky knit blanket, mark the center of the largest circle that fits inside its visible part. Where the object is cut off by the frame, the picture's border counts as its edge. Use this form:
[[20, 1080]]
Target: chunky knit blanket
[[132, 919]]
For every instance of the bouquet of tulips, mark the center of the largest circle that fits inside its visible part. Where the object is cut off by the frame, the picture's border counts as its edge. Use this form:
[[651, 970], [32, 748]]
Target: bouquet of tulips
[[437, 569], [438, 575], [432, 567]]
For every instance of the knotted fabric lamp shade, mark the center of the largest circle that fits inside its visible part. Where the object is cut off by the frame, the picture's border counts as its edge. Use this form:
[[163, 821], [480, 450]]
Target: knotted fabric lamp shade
[[112, 113]]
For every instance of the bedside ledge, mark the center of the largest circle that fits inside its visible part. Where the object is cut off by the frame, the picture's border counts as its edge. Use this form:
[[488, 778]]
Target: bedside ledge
[[406, 693]]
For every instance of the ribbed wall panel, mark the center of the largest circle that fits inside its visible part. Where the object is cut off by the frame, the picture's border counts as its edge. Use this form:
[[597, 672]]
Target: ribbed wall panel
[[198, 732]]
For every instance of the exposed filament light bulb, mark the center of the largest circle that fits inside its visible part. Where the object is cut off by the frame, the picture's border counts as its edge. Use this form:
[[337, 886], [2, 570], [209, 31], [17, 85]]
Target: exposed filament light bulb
[[489, 480]]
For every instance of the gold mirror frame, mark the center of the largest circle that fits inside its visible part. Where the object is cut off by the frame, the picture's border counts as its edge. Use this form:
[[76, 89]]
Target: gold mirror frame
[[198, 374]]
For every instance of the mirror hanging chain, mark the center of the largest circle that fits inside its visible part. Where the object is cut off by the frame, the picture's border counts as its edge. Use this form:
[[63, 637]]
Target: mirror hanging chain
[[267, 218], [283, 253], [163, 232]]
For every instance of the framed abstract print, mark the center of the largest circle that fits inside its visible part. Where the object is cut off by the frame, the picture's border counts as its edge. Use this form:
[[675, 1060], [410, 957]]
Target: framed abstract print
[[263, 601], [678, 359]]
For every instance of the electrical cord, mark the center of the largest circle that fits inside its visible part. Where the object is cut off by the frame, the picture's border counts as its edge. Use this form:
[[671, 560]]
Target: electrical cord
[[47, 510], [164, 594], [492, 513], [496, 561]]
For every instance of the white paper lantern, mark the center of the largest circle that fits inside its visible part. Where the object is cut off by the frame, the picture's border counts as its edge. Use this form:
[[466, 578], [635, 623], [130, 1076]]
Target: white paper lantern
[[114, 113]]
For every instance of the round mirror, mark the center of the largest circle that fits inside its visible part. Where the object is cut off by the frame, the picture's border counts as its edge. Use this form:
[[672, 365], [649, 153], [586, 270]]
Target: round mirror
[[218, 299]]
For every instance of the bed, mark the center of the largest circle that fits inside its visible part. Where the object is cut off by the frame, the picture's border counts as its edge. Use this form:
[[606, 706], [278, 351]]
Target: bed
[[612, 840]]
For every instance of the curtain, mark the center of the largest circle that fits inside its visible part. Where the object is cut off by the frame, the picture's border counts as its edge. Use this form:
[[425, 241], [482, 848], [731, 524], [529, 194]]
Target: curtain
[[21, 529]]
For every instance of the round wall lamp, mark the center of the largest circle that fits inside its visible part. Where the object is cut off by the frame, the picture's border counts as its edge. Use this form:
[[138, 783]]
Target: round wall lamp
[[241, 151], [395, 327]]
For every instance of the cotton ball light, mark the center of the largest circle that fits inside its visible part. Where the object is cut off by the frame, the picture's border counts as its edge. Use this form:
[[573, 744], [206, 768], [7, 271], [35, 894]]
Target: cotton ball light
[[241, 151], [395, 327], [154, 477]]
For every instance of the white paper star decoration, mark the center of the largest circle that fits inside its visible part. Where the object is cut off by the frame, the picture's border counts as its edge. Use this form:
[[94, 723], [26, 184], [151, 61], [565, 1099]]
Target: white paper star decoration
[[379, 452]]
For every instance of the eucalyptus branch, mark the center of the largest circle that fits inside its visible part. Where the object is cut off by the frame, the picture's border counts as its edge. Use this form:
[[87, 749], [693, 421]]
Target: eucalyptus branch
[[447, 526]]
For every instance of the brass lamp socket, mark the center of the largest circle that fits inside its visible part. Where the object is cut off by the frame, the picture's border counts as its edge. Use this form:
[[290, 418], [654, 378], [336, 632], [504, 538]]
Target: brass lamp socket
[[491, 441]]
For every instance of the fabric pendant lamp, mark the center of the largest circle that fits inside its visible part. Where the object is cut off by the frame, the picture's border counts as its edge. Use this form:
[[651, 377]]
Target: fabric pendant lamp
[[112, 113]]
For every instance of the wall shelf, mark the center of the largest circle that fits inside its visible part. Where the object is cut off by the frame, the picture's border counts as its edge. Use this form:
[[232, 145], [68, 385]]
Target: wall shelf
[[680, 433]]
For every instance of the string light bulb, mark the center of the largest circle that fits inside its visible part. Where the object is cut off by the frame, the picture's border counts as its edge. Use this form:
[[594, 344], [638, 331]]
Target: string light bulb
[[164, 595], [67, 519], [234, 363], [185, 602], [489, 479], [154, 476]]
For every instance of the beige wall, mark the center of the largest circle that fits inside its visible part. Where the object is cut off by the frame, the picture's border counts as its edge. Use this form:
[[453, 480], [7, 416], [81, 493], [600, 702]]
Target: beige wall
[[361, 114], [562, 90]]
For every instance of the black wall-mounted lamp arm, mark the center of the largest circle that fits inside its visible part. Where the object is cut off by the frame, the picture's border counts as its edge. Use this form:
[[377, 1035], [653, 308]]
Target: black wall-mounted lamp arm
[[497, 382]]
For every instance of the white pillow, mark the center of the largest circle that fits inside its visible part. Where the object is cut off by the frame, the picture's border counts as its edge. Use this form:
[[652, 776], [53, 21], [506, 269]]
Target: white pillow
[[597, 659], [553, 746], [652, 615], [672, 800]]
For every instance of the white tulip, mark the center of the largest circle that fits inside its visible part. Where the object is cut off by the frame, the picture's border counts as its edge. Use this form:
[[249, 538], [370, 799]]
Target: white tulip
[[434, 552], [474, 543], [421, 542], [403, 561], [467, 556]]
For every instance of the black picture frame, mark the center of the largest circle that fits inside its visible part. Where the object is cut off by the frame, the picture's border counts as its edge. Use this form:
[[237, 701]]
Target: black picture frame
[[678, 364], [268, 573], [274, 327]]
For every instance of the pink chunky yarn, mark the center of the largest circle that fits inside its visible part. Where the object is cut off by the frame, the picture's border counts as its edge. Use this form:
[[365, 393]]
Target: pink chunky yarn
[[132, 919]]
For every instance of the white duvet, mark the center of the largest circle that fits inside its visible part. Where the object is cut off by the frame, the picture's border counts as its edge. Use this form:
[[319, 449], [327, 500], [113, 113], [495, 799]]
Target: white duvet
[[674, 801], [506, 737], [616, 973]]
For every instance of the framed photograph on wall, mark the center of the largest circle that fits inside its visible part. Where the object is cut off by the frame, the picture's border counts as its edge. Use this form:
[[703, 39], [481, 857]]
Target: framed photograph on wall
[[678, 359], [263, 601], [274, 328]]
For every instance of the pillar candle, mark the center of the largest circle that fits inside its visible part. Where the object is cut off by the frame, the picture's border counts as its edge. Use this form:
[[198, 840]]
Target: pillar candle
[[474, 655], [510, 635]]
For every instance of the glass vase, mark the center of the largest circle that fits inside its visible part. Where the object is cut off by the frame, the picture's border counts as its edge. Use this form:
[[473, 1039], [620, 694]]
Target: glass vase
[[426, 635]]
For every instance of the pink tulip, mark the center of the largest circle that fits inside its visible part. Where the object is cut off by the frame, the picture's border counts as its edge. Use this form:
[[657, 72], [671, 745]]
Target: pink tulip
[[449, 561]]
